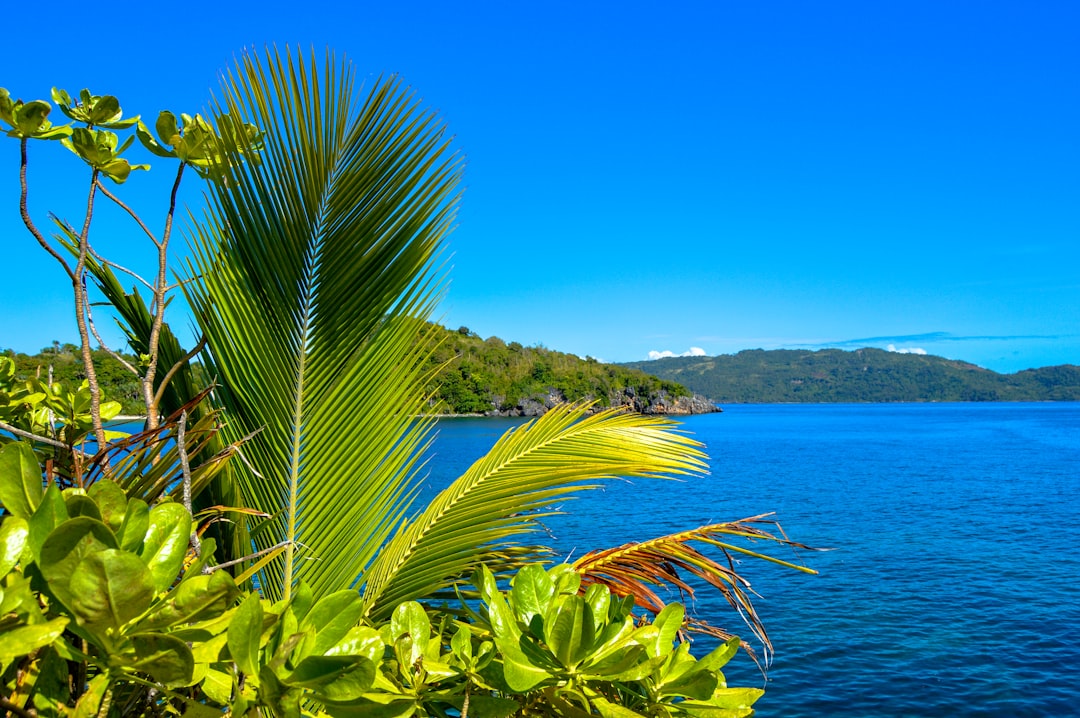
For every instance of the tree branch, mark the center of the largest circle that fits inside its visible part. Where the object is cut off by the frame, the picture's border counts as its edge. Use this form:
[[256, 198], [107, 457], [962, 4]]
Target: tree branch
[[25, 214], [35, 437], [130, 211], [176, 367], [101, 342]]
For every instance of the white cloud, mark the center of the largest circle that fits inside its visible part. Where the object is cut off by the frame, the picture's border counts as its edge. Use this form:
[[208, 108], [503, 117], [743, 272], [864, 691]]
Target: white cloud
[[694, 352], [905, 350]]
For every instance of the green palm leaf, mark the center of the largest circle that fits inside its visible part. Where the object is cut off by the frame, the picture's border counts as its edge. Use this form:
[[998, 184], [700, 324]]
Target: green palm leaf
[[310, 277], [499, 499]]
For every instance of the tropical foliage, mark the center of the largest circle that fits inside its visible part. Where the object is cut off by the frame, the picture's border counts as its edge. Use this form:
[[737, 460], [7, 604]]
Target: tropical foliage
[[256, 548]]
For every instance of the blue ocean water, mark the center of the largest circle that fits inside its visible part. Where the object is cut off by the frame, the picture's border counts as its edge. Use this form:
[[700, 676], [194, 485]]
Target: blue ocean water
[[953, 583]]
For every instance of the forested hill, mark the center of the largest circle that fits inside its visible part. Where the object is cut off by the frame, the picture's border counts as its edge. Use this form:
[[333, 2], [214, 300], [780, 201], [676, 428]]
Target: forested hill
[[478, 377], [491, 376], [865, 375]]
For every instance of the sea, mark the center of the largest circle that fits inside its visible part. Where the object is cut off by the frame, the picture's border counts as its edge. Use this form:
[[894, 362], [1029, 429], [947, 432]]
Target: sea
[[951, 583]]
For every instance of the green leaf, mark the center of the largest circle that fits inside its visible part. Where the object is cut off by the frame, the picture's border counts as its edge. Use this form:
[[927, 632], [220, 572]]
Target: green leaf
[[79, 504], [166, 543], [532, 592], [360, 641], [337, 678], [332, 617], [20, 479], [66, 547], [50, 513], [410, 627], [245, 632], [14, 533], [196, 598], [166, 658], [89, 704], [110, 588], [570, 630], [24, 640], [134, 526], [167, 129], [112, 502]]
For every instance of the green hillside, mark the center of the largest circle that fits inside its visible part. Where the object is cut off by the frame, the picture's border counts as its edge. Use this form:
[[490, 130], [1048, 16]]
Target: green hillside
[[483, 376], [865, 375]]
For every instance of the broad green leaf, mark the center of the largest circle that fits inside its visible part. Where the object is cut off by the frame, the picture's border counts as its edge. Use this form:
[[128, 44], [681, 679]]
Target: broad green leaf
[[338, 678], [109, 588], [531, 593], [20, 479], [483, 706], [410, 627], [607, 709], [24, 640], [79, 504], [668, 623], [520, 674], [378, 705], [50, 514], [570, 631], [166, 658], [245, 633], [719, 656], [134, 526], [332, 617], [89, 703], [698, 684], [166, 543], [197, 598], [14, 533], [360, 641], [66, 547], [112, 502]]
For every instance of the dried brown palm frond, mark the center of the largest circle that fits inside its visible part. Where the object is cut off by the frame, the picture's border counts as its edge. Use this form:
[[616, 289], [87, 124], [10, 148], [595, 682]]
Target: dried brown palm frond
[[147, 464], [637, 569]]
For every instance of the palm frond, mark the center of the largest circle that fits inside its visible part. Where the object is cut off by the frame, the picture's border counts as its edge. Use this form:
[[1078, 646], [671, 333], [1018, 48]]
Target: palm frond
[[482, 515], [636, 569], [311, 274], [147, 465]]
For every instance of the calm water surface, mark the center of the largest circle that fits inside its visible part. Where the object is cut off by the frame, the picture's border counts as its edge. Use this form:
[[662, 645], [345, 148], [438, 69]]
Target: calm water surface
[[953, 586]]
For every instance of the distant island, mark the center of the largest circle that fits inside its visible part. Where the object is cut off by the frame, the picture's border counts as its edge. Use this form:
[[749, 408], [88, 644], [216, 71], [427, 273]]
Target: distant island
[[863, 375]]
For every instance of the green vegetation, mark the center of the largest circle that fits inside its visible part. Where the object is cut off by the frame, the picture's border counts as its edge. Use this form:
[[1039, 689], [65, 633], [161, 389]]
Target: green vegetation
[[484, 376], [257, 551], [865, 375], [66, 362]]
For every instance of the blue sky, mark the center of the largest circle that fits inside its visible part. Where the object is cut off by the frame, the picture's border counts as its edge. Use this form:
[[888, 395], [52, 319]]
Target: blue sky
[[709, 175]]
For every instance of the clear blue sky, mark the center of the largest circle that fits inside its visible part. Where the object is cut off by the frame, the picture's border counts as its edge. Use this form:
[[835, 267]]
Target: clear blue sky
[[718, 175]]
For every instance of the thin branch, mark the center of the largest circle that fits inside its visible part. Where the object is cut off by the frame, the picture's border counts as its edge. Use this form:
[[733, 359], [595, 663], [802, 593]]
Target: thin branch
[[130, 211], [25, 214], [79, 286], [16, 710], [249, 557], [101, 342], [158, 306], [176, 367], [185, 469], [36, 437], [120, 267]]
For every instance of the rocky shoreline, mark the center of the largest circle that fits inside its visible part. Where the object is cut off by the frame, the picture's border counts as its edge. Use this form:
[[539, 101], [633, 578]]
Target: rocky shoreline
[[659, 403]]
